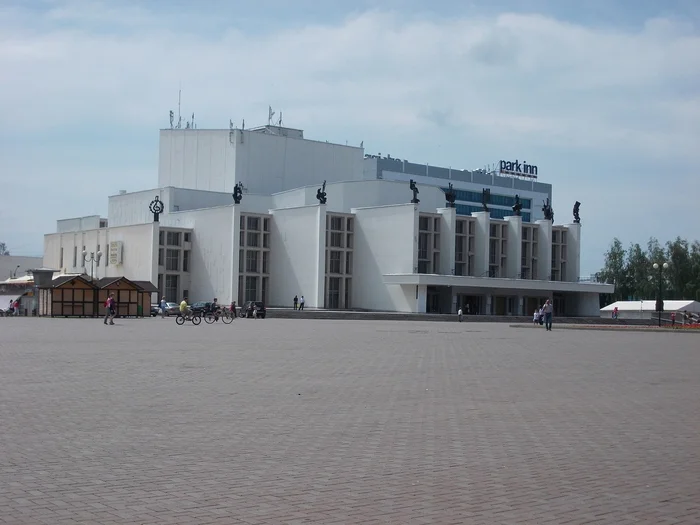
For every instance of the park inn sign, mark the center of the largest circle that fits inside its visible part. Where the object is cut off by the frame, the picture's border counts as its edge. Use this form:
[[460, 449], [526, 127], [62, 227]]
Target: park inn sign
[[518, 169]]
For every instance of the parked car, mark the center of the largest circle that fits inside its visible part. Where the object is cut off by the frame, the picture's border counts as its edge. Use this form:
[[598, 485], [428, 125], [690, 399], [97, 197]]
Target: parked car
[[201, 307], [248, 306], [171, 309], [155, 310]]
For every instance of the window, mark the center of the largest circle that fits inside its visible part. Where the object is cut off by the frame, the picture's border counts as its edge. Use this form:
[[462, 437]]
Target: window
[[171, 282], [60, 264], [348, 238], [436, 262], [459, 227], [336, 239], [423, 266], [187, 237], [436, 241], [422, 245], [436, 225], [337, 223], [563, 237], [493, 247], [266, 262], [334, 262], [266, 240], [173, 238], [186, 261], [526, 234], [160, 257], [241, 261], [349, 224], [253, 239], [251, 288], [172, 260], [494, 230], [348, 263], [253, 223], [161, 238], [186, 293], [459, 249], [103, 223], [243, 218], [424, 223], [471, 227], [75, 256], [347, 293], [161, 292], [251, 263], [334, 292], [555, 236], [266, 225], [241, 239]]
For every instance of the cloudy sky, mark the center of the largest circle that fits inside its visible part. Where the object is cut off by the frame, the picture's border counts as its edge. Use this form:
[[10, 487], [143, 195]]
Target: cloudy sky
[[602, 95]]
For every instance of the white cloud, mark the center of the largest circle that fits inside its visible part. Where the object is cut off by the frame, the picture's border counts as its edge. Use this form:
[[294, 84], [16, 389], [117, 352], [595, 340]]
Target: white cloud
[[530, 82]]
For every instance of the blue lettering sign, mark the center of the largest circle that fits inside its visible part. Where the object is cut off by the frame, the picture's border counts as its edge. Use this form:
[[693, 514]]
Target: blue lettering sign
[[517, 168]]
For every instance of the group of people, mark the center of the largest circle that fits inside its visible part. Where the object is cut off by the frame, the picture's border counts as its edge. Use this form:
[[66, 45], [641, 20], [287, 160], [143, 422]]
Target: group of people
[[14, 307], [299, 303], [544, 315]]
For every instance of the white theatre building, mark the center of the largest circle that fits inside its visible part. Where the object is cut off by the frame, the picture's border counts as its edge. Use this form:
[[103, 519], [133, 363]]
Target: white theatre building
[[369, 247]]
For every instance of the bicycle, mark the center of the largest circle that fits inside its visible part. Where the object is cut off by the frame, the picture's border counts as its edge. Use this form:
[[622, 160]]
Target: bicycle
[[223, 313], [189, 316]]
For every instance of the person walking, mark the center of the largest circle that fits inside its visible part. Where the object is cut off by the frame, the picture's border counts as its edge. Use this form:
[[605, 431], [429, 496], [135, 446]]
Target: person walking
[[296, 302], [163, 307], [15, 307], [548, 310], [110, 309], [301, 303], [459, 314]]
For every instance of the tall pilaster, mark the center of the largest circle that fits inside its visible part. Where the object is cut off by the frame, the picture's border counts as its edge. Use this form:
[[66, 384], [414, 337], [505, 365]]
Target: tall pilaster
[[481, 242]]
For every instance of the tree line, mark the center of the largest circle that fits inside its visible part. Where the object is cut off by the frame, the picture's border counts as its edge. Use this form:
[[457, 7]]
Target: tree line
[[633, 274]]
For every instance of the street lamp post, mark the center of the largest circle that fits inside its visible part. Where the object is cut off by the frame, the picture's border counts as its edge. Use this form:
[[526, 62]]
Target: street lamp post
[[660, 296], [94, 258], [14, 274]]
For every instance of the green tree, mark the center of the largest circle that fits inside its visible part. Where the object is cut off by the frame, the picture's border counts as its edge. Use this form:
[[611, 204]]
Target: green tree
[[615, 271], [638, 270], [679, 274], [3, 249]]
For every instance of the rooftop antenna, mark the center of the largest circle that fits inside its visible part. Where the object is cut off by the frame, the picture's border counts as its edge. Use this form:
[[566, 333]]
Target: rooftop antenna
[[172, 118], [179, 100], [193, 126], [279, 123], [270, 114], [230, 125]]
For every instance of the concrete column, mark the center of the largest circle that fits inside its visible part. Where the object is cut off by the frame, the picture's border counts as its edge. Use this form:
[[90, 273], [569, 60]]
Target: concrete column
[[235, 246], [573, 253], [448, 226], [317, 299], [421, 299], [544, 250], [521, 305], [487, 306], [481, 242], [514, 247]]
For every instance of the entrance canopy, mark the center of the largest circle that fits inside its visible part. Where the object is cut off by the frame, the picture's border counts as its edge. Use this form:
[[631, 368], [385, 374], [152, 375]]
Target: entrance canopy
[[494, 283], [650, 306]]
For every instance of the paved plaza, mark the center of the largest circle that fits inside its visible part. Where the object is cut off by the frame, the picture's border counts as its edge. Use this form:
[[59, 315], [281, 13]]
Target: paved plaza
[[361, 422]]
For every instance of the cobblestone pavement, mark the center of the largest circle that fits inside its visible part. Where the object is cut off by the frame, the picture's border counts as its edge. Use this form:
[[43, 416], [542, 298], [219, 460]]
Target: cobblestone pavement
[[298, 421]]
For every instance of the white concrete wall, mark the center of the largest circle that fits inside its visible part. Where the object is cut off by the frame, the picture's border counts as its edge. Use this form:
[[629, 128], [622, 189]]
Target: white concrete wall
[[448, 226], [9, 264], [211, 267], [185, 199], [573, 252], [481, 242], [544, 250], [198, 159], [78, 224], [297, 255], [587, 304], [268, 163], [514, 247], [132, 208], [139, 245], [386, 241], [215, 160]]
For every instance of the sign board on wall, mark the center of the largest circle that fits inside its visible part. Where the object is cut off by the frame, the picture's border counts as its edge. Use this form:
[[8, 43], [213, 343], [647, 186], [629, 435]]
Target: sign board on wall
[[518, 169], [115, 252]]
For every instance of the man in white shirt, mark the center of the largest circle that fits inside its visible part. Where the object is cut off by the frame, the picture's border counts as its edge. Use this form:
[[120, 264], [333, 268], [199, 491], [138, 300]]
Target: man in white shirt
[[548, 310]]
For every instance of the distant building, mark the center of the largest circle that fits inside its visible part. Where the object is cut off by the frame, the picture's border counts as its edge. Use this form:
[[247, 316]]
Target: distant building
[[369, 247]]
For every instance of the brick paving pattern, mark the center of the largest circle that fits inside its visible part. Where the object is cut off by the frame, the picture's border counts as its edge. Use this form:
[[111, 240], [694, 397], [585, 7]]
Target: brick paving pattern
[[300, 421]]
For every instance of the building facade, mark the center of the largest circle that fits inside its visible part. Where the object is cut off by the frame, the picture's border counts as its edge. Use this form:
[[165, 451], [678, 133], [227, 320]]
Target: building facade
[[367, 247]]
